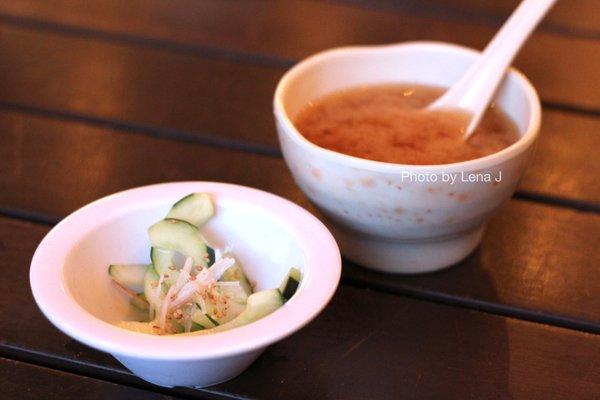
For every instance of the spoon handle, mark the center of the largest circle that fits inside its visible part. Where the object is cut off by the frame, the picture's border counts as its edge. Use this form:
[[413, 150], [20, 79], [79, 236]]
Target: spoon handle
[[475, 89]]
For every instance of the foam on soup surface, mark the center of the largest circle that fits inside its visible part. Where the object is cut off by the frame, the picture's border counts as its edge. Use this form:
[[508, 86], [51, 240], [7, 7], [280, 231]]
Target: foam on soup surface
[[389, 123]]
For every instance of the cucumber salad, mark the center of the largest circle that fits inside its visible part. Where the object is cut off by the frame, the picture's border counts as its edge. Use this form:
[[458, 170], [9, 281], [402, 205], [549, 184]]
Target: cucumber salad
[[191, 287]]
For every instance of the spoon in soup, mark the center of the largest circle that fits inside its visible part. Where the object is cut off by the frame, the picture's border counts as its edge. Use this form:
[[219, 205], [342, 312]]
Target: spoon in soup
[[476, 88]]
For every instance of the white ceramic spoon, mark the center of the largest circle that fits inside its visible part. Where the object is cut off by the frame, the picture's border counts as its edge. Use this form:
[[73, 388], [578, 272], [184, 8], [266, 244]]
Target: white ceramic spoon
[[475, 89]]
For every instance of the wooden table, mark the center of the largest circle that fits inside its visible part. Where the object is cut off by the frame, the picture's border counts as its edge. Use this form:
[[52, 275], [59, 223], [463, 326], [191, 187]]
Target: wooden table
[[105, 95]]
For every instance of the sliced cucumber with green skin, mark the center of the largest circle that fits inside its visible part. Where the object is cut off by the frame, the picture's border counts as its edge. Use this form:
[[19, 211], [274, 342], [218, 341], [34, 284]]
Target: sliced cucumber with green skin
[[260, 304], [211, 255], [290, 283], [196, 327], [215, 322], [195, 208], [150, 287], [236, 294], [222, 304], [150, 328], [139, 301], [131, 276], [235, 273], [198, 317], [227, 308], [162, 260], [180, 236], [234, 308]]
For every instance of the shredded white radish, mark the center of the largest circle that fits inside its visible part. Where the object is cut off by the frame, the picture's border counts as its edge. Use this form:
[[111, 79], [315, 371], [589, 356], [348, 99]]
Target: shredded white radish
[[228, 283], [188, 324], [222, 253], [188, 318], [205, 277], [220, 266], [184, 274], [202, 304], [164, 308], [186, 288], [155, 297], [151, 310], [185, 294]]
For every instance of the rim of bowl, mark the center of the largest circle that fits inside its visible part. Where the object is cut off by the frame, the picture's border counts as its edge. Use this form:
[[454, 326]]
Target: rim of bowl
[[317, 287], [524, 142]]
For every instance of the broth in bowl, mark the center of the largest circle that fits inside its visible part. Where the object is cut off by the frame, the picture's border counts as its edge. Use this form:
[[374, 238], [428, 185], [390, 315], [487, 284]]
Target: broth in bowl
[[389, 123]]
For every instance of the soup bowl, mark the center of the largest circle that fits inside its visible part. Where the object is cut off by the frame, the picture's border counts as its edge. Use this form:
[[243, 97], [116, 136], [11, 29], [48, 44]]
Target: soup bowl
[[396, 217], [267, 234]]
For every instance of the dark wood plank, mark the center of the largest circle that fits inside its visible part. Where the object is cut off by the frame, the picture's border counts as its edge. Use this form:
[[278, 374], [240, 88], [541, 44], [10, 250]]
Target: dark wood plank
[[564, 162], [365, 345], [88, 159], [564, 69], [534, 257], [216, 100], [141, 86], [25, 381], [572, 18]]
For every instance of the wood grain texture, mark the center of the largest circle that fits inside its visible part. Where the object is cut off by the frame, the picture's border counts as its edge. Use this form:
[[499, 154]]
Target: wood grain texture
[[571, 18], [140, 86], [365, 345], [205, 72], [24, 381], [534, 257], [564, 69], [210, 99], [564, 163]]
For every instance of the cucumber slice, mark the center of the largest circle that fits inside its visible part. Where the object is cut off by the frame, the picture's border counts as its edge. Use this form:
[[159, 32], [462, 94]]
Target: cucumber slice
[[162, 260], [180, 236], [212, 320], [140, 302], [195, 208], [198, 317], [236, 294], [211, 255], [151, 328], [236, 273], [196, 327], [222, 308], [130, 276], [290, 283], [150, 278], [260, 304], [222, 304], [150, 282], [140, 327], [234, 308]]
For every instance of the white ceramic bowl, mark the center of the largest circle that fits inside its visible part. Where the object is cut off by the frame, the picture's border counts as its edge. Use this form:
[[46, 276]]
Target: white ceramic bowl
[[269, 235], [394, 217]]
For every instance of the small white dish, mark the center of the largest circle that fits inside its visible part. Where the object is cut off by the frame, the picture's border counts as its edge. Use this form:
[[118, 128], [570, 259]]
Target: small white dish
[[269, 235], [396, 217]]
